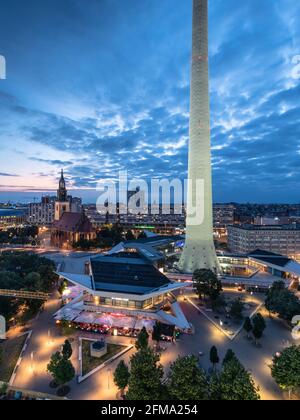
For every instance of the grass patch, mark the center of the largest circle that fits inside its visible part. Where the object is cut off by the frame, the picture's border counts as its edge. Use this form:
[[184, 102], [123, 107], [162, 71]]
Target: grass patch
[[10, 351], [90, 363]]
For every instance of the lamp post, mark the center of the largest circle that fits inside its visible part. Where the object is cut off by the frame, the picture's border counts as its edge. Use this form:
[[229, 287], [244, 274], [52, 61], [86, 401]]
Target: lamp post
[[108, 377], [50, 340], [31, 361]]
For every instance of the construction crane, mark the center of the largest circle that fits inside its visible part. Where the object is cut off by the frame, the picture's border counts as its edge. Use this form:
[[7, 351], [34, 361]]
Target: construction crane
[[22, 294]]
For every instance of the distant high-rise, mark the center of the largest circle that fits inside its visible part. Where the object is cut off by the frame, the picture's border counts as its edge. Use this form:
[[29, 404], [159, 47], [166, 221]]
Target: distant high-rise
[[199, 251]]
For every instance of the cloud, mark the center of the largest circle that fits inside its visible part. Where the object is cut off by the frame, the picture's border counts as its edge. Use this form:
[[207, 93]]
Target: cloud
[[61, 163], [4, 174], [123, 102]]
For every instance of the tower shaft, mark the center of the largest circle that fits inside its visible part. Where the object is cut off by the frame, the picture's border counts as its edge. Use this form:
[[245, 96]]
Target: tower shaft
[[199, 251]]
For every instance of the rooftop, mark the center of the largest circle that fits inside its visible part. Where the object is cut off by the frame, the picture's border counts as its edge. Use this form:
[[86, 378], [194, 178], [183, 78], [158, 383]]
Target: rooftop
[[149, 247], [124, 273], [73, 222], [292, 227], [270, 257]]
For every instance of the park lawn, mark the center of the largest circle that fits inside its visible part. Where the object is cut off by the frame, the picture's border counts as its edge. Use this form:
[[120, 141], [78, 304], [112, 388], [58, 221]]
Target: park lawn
[[11, 350], [90, 363]]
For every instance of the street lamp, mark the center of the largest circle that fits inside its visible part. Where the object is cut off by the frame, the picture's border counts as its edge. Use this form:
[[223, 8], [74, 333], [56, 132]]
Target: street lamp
[[108, 377], [31, 361], [49, 337]]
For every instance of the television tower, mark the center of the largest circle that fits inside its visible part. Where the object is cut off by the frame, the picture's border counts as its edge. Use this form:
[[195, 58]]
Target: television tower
[[199, 251]]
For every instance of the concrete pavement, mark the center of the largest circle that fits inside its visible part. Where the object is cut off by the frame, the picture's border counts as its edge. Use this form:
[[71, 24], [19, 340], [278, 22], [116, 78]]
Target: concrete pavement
[[32, 373]]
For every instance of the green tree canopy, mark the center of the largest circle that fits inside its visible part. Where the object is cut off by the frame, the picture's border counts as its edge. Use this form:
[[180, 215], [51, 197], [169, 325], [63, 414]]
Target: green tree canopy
[[214, 357], [236, 309], [129, 236], [282, 301], [145, 376], [234, 383], [259, 326], [67, 350], [248, 327], [24, 271], [206, 283], [186, 381], [157, 332], [121, 375], [258, 320], [286, 369], [142, 339], [61, 369], [33, 281], [230, 355], [10, 280]]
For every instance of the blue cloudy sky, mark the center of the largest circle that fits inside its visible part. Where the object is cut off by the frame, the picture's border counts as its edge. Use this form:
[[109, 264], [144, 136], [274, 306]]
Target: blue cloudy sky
[[100, 86]]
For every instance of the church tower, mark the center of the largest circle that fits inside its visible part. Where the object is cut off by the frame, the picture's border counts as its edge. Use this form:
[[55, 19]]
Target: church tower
[[62, 204]]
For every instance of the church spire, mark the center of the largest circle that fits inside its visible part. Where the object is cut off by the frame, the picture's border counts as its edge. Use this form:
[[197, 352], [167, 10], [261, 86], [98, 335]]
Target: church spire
[[62, 195]]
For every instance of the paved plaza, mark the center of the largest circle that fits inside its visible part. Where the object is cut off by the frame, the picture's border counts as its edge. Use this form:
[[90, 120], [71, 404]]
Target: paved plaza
[[32, 371]]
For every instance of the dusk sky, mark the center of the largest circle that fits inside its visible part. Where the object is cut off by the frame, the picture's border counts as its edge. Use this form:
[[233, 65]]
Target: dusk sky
[[100, 86]]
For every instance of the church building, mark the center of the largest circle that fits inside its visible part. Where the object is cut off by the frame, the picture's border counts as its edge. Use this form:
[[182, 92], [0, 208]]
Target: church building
[[69, 227]]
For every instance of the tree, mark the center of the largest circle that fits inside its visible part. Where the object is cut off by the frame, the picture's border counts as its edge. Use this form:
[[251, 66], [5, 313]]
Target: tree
[[219, 303], [230, 355], [67, 350], [142, 339], [121, 376], [65, 372], [260, 321], [61, 369], [206, 283], [236, 309], [259, 327], [52, 366], [3, 389], [157, 332], [248, 327], [142, 235], [257, 333], [186, 381], [33, 281], [145, 376], [282, 301], [286, 369], [234, 383], [10, 280], [214, 357], [129, 236], [62, 287]]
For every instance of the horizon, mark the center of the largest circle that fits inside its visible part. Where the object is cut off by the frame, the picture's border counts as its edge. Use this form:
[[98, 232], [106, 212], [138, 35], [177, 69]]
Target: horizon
[[25, 198]]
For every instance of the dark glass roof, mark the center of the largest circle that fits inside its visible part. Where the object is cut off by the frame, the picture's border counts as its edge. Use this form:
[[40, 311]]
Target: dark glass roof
[[126, 275], [270, 257]]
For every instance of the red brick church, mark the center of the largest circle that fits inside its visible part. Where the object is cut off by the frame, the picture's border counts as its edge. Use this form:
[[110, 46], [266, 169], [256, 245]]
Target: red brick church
[[69, 227]]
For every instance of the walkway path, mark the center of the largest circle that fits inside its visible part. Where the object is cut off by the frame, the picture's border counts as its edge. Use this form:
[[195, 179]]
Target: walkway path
[[32, 373]]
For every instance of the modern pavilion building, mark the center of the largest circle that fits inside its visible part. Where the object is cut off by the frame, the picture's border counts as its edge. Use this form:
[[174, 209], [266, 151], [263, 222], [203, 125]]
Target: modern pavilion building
[[124, 290]]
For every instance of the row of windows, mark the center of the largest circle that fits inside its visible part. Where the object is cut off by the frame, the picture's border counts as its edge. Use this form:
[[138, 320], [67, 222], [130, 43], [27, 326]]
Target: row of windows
[[132, 304]]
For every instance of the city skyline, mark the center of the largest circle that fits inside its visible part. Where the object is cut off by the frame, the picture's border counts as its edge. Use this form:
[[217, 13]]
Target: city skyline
[[107, 109]]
